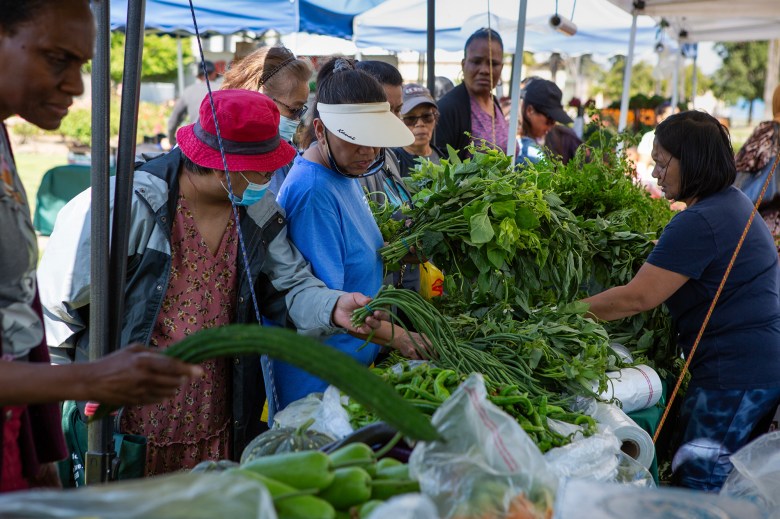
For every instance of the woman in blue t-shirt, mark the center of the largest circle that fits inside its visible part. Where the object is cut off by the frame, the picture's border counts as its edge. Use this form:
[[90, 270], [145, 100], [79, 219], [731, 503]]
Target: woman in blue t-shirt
[[328, 215], [735, 385]]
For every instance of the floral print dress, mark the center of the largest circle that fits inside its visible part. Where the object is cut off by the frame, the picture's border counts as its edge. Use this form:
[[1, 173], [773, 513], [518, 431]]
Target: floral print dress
[[195, 424]]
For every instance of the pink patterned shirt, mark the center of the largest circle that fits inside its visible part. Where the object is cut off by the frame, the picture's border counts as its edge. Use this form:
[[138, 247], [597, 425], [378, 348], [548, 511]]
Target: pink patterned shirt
[[482, 126], [195, 424]]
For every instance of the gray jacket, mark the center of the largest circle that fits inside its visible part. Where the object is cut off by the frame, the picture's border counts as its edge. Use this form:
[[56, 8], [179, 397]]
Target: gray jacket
[[187, 105], [287, 291]]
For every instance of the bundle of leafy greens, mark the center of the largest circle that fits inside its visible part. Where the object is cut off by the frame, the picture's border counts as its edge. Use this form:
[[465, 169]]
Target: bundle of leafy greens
[[514, 239]]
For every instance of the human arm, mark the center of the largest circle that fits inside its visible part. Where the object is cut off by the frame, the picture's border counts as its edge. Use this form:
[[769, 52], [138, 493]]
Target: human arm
[[450, 128], [177, 116], [133, 375], [649, 288], [384, 332]]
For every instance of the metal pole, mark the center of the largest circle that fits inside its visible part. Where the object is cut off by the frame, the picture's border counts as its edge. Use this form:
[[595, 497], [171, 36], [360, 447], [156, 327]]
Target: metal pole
[[627, 75], [179, 65], [676, 81], [99, 435], [694, 81], [517, 65], [431, 46], [128, 126]]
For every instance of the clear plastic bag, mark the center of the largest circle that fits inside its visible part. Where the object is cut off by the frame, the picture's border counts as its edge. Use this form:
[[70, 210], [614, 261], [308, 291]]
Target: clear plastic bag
[[329, 415], [598, 458], [407, 506], [177, 496], [487, 466], [756, 474]]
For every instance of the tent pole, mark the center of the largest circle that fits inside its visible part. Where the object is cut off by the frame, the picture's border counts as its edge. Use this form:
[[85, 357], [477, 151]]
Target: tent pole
[[676, 81], [627, 74], [431, 46], [101, 466], [694, 80], [517, 66], [99, 455], [179, 65]]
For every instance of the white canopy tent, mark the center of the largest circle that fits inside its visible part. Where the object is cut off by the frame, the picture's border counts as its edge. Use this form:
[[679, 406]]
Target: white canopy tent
[[602, 28], [692, 21]]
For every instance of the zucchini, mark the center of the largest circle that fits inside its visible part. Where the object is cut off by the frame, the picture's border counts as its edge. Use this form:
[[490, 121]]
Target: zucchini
[[305, 353], [302, 470], [350, 487], [291, 503]]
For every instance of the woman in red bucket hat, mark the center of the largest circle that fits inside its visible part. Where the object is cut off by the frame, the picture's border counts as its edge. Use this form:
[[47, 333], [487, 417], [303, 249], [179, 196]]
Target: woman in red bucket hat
[[186, 273]]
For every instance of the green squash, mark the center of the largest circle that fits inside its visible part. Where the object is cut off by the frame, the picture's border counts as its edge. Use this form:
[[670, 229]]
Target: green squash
[[284, 439]]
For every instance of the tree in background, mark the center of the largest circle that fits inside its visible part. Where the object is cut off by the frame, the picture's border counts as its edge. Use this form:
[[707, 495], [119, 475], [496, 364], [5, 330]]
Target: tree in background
[[611, 84], [703, 82], [159, 62], [742, 74]]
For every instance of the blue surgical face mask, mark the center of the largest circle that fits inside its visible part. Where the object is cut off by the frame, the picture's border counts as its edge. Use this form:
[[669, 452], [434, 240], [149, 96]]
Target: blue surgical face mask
[[252, 194], [287, 128]]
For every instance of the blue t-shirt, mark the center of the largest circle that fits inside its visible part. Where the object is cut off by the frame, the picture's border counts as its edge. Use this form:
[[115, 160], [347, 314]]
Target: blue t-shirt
[[329, 220], [529, 149], [740, 348]]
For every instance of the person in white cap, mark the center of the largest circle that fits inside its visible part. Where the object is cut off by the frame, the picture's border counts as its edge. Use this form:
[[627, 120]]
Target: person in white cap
[[328, 216]]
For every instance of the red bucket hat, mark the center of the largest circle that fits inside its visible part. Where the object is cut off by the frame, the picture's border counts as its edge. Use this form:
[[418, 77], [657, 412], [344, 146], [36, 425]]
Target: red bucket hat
[[249, 127]]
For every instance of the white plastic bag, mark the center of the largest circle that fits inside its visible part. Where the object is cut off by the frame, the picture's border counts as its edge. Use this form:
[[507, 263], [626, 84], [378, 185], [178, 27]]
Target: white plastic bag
[[486, 465], [406, 506], [178, 496], [756, 473], [329, 415], [598, 458]]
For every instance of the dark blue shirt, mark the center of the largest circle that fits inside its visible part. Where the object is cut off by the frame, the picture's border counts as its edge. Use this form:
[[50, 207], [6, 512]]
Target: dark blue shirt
[[740, 348]]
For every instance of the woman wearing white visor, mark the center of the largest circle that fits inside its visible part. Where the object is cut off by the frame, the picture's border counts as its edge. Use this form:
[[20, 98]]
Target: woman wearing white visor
[[328, 217]]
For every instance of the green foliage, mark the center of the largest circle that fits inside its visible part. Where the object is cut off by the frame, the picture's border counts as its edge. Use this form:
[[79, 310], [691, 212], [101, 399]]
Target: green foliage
[[703, 81], [158, 63], [24, 130], [513, 240], [611, 81], [743, 72], [76, 127]]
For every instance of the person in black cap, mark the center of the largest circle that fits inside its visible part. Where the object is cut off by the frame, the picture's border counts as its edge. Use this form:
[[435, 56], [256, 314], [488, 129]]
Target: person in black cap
[[189, 102], [541, 108]]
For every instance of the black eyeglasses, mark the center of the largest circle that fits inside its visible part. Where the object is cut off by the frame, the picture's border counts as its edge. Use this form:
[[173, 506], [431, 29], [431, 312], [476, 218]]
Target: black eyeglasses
[[295, 113], [411, 120]]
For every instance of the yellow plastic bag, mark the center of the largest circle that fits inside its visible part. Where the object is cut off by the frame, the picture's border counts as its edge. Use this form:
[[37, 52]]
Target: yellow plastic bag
[[431, 281]]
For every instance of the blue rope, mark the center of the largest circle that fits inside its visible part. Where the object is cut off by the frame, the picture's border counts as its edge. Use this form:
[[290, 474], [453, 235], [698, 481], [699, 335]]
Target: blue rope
[[264, 360]]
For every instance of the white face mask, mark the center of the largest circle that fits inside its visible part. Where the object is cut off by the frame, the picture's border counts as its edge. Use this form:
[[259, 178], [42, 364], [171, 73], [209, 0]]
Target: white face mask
[[287, 127], [252, 194]]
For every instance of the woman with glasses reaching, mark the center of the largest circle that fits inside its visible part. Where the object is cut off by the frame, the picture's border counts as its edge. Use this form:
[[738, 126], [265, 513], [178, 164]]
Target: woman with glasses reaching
[[420, 114], [277, 73], [328, 216]]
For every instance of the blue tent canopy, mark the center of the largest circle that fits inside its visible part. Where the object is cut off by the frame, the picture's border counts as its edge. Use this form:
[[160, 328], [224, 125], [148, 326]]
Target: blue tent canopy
[[330, 17]]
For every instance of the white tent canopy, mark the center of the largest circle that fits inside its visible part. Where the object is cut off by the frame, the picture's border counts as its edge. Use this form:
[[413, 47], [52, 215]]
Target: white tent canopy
[[603, 28], [714, 20]]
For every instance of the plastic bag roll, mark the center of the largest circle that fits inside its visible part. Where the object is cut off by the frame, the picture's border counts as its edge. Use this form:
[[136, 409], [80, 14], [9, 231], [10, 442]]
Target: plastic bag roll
[[637, 388], [634, 440]]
